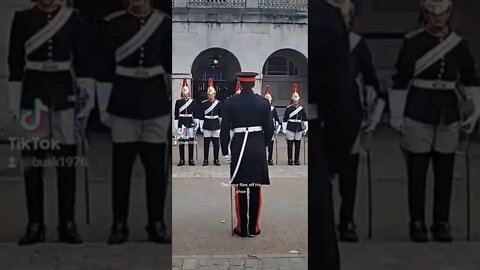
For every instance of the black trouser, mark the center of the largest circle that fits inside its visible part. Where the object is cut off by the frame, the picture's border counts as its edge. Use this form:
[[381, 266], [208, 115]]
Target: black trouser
[[290, 149], [248, 218], [33, 174], [270, 150], [348, 187], [206, 147], [190, 142], [443, 166], [152, 156]]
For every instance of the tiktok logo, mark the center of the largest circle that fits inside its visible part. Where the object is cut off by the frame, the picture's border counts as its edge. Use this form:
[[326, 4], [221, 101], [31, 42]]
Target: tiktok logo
[[31, 120]]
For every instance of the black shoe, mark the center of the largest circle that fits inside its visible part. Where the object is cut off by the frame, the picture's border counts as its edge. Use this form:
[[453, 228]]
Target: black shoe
[[441, 232], [418, 232], [191, 162], [118, 235], [181, 163], [205, 163], [347, 232], [235, 231], [270, 162], [35, 233], [216, 162], [290, 162], [157, 233], [297, 162], [67, 233]]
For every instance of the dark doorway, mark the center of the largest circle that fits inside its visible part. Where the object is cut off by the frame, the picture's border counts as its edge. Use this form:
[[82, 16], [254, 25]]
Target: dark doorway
[[219, 64]]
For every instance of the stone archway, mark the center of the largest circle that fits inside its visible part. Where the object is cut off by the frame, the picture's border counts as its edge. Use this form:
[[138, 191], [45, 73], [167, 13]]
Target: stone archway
[[219, 64]]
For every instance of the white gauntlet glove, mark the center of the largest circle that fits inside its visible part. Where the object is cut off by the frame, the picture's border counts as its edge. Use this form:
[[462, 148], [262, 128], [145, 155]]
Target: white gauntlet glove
[[104, 91], [87, 87], [398, 99], [284, 127], [376, 116], [14, 98]]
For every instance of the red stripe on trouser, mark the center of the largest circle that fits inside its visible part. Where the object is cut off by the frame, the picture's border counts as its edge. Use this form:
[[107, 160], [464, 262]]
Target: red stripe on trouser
[[259, 214], [237, 207]]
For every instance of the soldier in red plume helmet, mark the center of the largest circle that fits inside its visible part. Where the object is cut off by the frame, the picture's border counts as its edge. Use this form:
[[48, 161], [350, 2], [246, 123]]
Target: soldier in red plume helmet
[[294, 126], [134, 79], [210, 118], [47, 46], [435, 93], [186, 123], [276, 123]]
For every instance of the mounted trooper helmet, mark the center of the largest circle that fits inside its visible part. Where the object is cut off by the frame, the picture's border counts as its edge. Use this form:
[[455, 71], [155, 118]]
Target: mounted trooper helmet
[[436, 7], [211, 88], [268, 93], [347, 7], [185, 89], [238, 88], [295, 95]]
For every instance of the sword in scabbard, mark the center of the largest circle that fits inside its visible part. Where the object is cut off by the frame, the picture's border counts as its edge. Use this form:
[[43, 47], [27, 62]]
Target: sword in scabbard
[[81, 128]]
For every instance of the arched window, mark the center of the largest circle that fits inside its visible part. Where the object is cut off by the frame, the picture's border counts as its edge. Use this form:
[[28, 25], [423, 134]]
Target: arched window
[[280, 66]]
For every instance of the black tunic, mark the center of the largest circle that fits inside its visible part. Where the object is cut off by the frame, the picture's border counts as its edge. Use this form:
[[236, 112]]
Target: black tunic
[[426, 105], [210, 124], [275, 118], [55, 89], [188, 122], [247, 110], [294, 126], [137, 98]]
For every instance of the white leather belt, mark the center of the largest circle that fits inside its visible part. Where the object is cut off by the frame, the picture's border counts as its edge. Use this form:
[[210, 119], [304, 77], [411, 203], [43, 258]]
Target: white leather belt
[[436, 85], [245, 130], [295, 120], [185, 115], [140, 72], [211, 116], [49, 66], [248, 129]]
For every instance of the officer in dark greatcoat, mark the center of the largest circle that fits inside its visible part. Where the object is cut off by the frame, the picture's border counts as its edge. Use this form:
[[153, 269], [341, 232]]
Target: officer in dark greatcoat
[[424, 104], [295, 126], [276, 123], [249, 117], [46, 50], [186, 123], [133, 101], [210, 116], [371, 104]]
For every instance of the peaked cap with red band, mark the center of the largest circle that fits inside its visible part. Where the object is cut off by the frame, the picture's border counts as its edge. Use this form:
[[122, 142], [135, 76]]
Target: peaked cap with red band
[[247, 77]]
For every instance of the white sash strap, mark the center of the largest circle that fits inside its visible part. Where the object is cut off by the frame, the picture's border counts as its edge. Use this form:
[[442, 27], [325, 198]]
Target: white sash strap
[[354, 40], [49, 66], [435, 85], [246, 130], [140, 37], [140, 72], [436, 53], [211, 116], [215, 103], [185, 106], [48, 31], [292, 114]]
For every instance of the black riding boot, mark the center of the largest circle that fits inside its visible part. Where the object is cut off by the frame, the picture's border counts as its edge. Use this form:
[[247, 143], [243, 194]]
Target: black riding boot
[[289, 151]]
